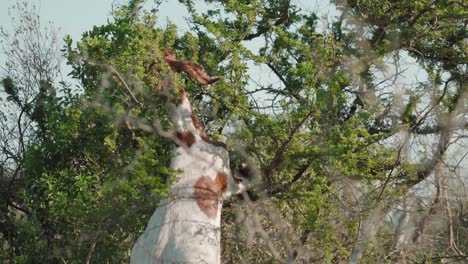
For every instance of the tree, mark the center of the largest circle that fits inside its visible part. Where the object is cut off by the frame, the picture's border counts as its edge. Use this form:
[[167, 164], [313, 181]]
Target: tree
[[72, 186], [341, 137], [26, 100]]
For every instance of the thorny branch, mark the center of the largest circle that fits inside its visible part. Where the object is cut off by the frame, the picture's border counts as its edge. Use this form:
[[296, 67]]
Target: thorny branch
[[278, 157]]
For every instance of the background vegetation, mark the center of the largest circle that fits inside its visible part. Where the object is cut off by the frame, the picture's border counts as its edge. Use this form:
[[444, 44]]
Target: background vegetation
[[358, 135]]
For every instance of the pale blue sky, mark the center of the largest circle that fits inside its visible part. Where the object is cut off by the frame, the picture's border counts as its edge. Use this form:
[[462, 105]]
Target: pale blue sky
[[74, 17], [71, 17], [68, 16]]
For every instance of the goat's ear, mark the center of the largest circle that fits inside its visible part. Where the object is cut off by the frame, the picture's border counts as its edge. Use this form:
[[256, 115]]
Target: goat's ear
[[169, 55], [193, 70]]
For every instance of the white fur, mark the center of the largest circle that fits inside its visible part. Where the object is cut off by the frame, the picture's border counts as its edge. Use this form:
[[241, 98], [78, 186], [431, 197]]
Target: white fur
[[179, 231]]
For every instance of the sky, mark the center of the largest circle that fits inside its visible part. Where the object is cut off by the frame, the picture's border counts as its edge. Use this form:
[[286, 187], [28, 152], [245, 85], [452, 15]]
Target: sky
[[74, 17], [68, 16], [71, 17]]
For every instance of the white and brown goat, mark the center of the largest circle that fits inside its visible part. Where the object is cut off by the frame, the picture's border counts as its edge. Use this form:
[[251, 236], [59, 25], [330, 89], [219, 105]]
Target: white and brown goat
[[185, 228]]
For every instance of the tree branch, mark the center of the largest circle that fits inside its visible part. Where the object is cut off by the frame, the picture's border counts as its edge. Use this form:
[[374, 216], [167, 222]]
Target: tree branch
[[278, 157], [267, 26], [421, 228]]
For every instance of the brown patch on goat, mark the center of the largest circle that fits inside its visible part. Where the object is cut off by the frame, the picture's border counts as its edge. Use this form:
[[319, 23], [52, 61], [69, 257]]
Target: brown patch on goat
[[206, 195], [213, 142], [193, 70], [221, 182], [201, 130], [197, 124], [186, 137]]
